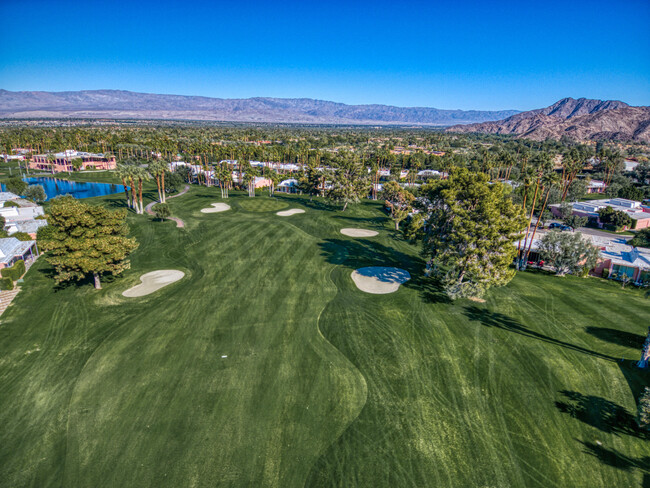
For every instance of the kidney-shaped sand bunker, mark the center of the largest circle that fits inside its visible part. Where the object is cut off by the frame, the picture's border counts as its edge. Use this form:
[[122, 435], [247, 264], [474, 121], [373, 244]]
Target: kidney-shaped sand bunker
[[379, 280], [216, 207], [352, 232], [153, 281], [290, 212]]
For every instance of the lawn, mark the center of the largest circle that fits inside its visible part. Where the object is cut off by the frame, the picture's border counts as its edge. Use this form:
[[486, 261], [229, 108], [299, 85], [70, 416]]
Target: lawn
[[322, 384]]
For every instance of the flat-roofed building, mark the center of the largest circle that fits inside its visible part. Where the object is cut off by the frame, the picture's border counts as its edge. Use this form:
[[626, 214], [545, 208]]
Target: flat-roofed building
[[639, 214], [63, 161]]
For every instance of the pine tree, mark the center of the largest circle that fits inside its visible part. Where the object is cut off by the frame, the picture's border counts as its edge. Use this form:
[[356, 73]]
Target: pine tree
[[83, 239], [470, 233]]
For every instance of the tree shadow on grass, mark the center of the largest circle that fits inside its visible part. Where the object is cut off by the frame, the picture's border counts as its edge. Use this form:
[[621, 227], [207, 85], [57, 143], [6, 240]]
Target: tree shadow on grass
[[614, 458], [501, 321], [88, 281], [600, 413], [313, 204], [355, 254], [619, 337]]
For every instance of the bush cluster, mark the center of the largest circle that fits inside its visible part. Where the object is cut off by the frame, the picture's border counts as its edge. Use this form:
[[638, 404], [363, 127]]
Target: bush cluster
[[14, 273], [6, 284]]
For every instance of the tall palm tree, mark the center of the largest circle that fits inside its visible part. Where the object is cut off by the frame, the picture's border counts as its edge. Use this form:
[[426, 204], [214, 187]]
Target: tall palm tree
[[140, 174], [549, 181], [157, 169], [543, 164], [123, 174]]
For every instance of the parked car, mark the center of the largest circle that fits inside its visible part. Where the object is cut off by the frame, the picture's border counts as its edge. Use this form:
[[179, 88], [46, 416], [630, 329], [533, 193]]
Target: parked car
[[554, 225], [566, 227]]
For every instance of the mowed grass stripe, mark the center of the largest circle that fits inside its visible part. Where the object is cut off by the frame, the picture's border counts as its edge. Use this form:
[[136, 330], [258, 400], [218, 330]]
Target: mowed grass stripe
[[275, 361], [458, 394]]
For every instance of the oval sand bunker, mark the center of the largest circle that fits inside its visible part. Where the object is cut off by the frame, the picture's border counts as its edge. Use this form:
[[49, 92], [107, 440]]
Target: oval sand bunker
[[287, 213], [216, 207], [379, 280], [359, 232], [153, 281]]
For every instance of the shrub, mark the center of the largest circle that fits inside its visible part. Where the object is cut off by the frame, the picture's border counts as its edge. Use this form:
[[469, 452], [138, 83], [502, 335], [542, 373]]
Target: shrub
[[22, 236], [14, 272], [161, 210], [6, 284], [606, 273], [36, 193], [9, 203], [20, 266]]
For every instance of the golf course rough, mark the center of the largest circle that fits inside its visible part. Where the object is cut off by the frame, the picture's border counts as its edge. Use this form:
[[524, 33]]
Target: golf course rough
[[270, 368], [379, 280], [216, 207], [351, 232], [154, 281]]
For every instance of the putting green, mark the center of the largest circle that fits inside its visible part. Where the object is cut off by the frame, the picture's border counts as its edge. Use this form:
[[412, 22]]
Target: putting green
[[268, 367], [262, 204]]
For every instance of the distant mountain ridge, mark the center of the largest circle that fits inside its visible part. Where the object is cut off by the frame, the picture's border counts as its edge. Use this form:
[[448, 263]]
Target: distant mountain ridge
[[127, 104], [582, 119]]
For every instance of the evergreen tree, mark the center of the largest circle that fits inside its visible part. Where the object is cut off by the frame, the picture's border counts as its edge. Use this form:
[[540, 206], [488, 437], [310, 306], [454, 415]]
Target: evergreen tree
[[399, 200], [161, 210], [470, 233], [83, 239], [35, 193]]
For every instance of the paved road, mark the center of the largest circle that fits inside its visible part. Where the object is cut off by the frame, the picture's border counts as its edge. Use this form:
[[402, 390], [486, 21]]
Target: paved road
[[179, 222], [600, 233]]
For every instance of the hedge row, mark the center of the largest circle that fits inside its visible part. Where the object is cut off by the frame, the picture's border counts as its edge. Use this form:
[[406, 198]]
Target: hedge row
[[14, 273], [6, 284]]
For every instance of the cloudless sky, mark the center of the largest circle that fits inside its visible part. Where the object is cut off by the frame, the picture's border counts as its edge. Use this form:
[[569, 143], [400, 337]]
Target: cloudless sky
[[444, 54]]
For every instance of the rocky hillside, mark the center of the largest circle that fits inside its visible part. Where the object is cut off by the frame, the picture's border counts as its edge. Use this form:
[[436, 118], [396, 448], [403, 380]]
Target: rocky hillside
[[581, 119], [125, 104]]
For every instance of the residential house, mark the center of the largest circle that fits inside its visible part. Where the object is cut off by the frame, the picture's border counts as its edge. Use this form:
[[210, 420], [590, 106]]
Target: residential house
[[639, 214], [12, 250], [14, 214], [596, 186], [27, 226], [288, 186]]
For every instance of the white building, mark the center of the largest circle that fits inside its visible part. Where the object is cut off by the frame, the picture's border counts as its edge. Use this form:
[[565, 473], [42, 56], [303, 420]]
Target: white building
[[13, 214]]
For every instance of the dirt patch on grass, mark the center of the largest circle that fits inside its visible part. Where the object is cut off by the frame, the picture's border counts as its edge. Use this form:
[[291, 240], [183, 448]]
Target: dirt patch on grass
[[216, 207], [293, 211], [359, 232], [379, 280], [153, 281]]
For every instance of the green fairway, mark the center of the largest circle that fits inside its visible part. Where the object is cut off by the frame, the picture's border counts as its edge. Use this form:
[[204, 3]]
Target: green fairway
[[266, 366], [262, 204]]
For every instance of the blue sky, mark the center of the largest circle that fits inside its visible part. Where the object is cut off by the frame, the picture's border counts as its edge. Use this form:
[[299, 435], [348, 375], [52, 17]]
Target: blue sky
[[452, 54]]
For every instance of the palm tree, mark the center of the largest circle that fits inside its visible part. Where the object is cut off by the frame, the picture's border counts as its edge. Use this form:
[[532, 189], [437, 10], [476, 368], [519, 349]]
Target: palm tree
[[157, 169], [275, 178], [549, 180], [543, 164], [140, 174], [123, 173]]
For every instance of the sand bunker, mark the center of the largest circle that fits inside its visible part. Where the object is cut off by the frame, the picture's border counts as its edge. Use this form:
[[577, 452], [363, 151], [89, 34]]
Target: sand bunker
[[153, 281], [379, 280], [359, 232], [216, 207], [286, 213]]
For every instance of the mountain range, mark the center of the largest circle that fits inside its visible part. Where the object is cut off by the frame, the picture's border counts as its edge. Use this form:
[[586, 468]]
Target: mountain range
[[582, 119], [131, 105]]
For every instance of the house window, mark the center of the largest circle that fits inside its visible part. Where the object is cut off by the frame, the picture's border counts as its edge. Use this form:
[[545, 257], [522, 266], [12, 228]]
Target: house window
[[624, 270]]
